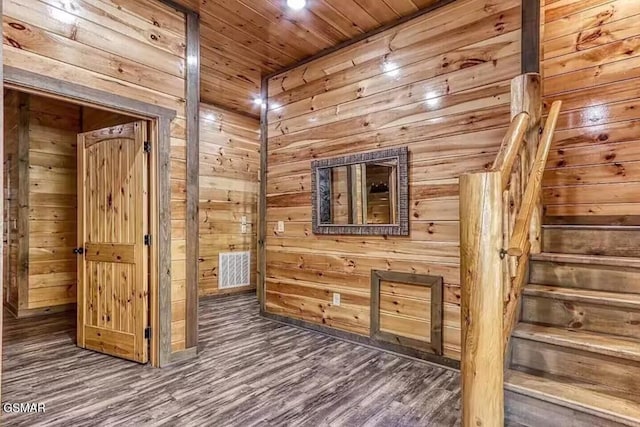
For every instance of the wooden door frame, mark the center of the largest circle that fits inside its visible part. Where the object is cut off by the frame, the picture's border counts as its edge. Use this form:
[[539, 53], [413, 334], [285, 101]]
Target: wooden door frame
[[159, 132]]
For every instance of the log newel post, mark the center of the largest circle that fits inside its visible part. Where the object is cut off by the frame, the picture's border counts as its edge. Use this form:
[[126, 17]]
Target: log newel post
[[481, 243]]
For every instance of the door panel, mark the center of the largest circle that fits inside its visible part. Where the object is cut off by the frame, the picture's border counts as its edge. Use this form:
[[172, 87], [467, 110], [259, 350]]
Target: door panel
[[112, 222]]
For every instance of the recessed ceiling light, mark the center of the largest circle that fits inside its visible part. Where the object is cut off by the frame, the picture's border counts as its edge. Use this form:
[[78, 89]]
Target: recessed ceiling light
[[296, 4], [391, 69], [258, 101], [432, 99], [63, 16]]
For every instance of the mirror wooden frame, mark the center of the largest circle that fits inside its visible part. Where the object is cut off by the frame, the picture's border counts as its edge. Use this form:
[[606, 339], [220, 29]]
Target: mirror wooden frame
[[400, 154]]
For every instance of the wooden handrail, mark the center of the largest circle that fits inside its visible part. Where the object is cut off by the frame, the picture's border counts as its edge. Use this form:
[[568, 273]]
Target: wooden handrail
[[500, 225], [510, 147], [511, 304], [520, 234]]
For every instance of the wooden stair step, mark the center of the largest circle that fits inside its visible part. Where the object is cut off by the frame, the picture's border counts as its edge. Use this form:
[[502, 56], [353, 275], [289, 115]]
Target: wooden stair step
[[591, 227], [616, 299], [575, 397], [586, 276], [589, 240], [581, 340], [587, 259]]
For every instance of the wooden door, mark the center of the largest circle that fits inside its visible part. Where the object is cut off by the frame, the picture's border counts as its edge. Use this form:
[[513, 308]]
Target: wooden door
[[113, 216]]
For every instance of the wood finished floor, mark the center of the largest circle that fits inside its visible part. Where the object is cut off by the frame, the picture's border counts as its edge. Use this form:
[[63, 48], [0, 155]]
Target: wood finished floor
[[251, 371]]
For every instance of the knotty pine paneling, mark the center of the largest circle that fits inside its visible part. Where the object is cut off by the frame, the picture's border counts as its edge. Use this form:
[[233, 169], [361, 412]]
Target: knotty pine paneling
[[52, 201], [591, 62], [94, 119], [438, 84], [229, 174], [50, 197], [134, 49], [245, 40]]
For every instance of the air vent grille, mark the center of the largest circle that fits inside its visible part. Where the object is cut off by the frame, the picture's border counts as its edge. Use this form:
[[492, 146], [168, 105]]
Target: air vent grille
[[234, 269]]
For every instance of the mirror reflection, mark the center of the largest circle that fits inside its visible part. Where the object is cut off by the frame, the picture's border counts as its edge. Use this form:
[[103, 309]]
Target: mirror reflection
[[359, 194]]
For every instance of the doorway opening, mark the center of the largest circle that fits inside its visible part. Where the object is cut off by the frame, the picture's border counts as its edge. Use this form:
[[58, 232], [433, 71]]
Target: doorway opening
[[77, 220]]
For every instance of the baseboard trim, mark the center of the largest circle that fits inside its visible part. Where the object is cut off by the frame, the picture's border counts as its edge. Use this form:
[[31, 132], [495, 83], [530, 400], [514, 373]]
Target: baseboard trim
[[227, 294], [440, 361], [37, 312], [11, 309], [182, 356]]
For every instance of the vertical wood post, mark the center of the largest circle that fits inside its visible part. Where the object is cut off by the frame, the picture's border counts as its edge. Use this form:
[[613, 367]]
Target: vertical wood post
[[482, 365], [23, 201], [2, 296], [193, 175], [526, 96], [262, 199]]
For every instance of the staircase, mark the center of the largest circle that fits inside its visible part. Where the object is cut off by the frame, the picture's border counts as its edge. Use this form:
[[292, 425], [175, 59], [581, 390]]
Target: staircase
[[575, 354]]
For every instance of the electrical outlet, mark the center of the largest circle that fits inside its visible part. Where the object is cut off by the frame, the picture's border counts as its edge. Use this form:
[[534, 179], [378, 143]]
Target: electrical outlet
[[280, 226], [336, 299], [243, 221], [244, 228]]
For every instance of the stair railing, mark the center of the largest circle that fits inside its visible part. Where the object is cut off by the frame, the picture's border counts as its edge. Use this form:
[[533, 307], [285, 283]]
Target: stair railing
[[519, 243], [500, 225]]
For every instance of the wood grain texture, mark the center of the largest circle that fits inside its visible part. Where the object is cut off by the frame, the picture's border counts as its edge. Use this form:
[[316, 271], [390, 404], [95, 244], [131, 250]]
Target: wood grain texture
[[590, 56], [11, 235], [535, 400], [228, 191], [192, 231], [398, 317], [2, 208], [53, 126], [246, 40], [94, 119], [318, 379], [521, 229], [481, 240], [151, 69], [23, 205], [113, 218], [438, 84], [47, 171], [577, 344]]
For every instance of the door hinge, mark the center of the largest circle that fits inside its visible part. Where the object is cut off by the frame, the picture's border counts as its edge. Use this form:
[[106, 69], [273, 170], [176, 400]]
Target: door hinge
[[147, 332], [78, 251], [147, 240], [147, 147]]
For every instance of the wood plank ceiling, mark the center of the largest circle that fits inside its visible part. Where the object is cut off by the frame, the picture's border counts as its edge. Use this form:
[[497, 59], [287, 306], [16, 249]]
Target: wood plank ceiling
[[243, 40]]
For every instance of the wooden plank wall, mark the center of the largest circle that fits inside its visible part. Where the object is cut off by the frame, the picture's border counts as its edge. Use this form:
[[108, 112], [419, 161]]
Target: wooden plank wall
[[10, 248], [244, 40], [591, 61], [50, 198], [94, 119], [229, 173], [416, 306], [52, 201], [135, 49], [438, 84]]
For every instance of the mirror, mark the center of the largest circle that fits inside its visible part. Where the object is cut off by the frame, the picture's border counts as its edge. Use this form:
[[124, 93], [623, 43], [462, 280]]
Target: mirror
[[361, 194]]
